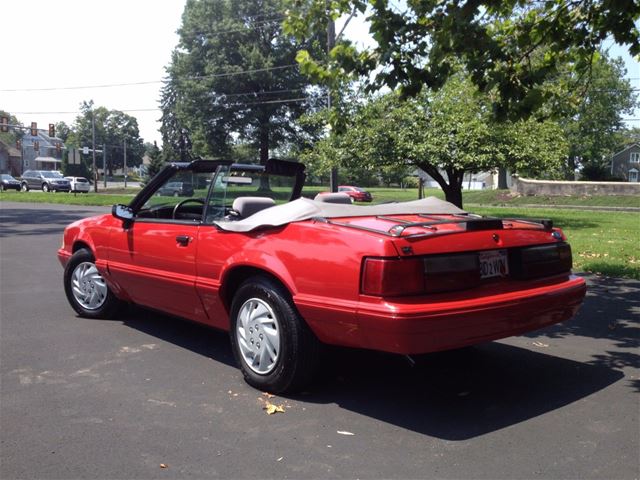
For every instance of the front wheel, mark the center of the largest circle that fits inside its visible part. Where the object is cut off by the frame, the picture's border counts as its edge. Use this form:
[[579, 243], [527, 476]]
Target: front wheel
[[24, 187], [86, 290], [45, 187], [272, 344]]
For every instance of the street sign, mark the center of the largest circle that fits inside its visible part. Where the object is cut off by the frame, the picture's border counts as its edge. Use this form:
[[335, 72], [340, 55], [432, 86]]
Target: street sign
[[85, 150]]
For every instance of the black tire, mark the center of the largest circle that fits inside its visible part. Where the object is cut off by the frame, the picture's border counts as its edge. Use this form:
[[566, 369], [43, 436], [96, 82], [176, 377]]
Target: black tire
[[45, 187], [299, 349], [1, 187], [24, 187], [109, 307]]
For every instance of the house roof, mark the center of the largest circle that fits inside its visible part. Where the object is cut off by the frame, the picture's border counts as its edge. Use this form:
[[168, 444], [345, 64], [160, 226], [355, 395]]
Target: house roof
[[625, 149]]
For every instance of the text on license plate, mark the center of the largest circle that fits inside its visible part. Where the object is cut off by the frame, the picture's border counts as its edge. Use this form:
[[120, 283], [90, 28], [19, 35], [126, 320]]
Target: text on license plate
[[493, 264]]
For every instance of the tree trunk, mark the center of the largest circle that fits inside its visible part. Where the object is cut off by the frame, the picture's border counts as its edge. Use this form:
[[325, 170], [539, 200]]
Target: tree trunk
[[502, 178], [453, 188]]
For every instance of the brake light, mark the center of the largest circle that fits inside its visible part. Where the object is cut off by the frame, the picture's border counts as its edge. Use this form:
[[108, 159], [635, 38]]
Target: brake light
[[392, 277], [540, 261]]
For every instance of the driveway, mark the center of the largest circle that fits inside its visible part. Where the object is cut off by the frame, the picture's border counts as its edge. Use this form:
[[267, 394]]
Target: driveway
[[151, 396]]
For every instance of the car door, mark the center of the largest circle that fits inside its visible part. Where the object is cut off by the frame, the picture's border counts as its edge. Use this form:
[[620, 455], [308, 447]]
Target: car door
[[152, 258]]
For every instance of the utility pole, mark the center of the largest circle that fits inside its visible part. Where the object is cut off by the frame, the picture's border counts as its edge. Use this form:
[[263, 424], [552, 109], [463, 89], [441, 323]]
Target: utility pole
[[331, 42], [124, 143], [93, 149], [104, 164]]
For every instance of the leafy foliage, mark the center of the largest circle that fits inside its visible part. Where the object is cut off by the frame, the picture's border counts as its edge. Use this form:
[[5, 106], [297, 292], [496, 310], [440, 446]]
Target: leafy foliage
[[112, 128], [511, 48], [593, 123], [233, 79], [445, 133]]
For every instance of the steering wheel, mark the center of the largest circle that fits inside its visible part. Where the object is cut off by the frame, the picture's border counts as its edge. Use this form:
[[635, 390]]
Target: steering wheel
[[181, 203]]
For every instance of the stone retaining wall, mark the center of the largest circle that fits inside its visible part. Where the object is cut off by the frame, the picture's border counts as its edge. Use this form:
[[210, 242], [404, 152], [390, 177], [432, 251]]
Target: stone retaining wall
[[526, 186]]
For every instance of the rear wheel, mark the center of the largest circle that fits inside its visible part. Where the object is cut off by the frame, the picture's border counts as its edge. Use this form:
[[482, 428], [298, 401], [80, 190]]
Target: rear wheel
[[1, 187], [45, 187], [86, 290], [272, 344], [24, 187]]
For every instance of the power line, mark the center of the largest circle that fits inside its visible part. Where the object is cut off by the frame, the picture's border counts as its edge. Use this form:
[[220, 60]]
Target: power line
[[110, 85], [157, 109]]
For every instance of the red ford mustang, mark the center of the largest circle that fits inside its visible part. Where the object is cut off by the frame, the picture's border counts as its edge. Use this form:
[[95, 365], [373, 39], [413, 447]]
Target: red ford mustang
[[285, 274]]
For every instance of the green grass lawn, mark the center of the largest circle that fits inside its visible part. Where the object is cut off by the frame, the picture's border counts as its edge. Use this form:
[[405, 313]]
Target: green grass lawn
[[602, 242]]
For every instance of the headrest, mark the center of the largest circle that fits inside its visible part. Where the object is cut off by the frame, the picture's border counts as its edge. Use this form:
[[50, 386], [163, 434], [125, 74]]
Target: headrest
[[333, 198], [247, 206]]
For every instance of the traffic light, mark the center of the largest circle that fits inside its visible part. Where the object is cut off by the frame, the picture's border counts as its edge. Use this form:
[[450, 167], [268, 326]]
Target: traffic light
[[36, 146], [19, 144], [58, 147], [34, 129], [52, 130], [4, 124]]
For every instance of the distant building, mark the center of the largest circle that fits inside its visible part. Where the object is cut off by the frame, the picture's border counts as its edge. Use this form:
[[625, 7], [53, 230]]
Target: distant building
[[626, 163], [47, 157], [10, 160]]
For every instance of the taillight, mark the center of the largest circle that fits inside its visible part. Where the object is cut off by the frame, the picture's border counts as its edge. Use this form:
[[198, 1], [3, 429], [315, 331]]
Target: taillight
[[414, 276], [392, 277], [540, 261], [446, 273]]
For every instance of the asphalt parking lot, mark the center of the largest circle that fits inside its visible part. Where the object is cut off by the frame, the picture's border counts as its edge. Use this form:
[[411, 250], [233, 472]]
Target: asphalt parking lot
[[150, 396]]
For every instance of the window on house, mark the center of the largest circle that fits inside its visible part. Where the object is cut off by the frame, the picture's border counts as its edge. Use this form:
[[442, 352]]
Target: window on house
[[635, 157], [633, 175]]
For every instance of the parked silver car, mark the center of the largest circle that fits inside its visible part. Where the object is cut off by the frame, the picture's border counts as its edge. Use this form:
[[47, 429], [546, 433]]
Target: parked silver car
[[46, 180]]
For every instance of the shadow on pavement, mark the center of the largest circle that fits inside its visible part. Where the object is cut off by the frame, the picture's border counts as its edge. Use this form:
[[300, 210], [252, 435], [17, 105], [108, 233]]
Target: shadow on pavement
[[611, 311], [453, 395], [21, 221]]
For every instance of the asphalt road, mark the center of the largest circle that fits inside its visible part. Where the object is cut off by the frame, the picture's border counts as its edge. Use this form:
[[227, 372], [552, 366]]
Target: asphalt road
[[117, 399]]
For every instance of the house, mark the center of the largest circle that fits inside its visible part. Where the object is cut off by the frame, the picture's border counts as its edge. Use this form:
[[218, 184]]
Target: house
[[10, 159], [626, 163], [47, 157]]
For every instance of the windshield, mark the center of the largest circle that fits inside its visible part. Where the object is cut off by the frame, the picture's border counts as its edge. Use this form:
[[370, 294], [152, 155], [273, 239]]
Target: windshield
[[234, 181], [48, 174], [7, 177]]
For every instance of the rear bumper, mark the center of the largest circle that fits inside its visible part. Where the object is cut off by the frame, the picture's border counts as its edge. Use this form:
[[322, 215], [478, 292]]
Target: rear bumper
[[413, 328]]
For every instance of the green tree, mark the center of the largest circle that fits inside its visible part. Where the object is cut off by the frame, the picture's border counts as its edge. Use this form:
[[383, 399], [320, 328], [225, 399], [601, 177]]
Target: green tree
[[233, 80], [446, 133], [12, 135], [511, 48], [112, 128], [157, 159], [593, 123]]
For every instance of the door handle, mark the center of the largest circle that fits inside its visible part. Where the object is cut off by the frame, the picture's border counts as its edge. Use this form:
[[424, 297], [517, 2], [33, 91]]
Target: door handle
[[183, 240]]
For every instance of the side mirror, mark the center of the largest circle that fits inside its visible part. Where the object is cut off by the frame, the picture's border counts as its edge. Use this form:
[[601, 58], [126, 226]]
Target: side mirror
[[122, 212]]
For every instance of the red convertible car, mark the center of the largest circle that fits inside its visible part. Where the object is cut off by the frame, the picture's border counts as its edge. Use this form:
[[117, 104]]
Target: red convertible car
[[245, 252]]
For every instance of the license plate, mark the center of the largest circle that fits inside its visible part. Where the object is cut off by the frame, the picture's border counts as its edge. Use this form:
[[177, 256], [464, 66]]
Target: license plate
[[493, 264]]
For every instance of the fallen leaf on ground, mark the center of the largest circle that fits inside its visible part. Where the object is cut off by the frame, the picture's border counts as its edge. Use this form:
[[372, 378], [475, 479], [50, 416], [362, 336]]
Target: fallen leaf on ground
[[267, 394], [343, 432], [271, 408], [163, 465]]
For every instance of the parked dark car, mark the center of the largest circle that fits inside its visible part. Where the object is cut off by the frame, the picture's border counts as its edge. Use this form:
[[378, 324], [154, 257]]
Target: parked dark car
[[45, 180], [7, 182], [176, 189]]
